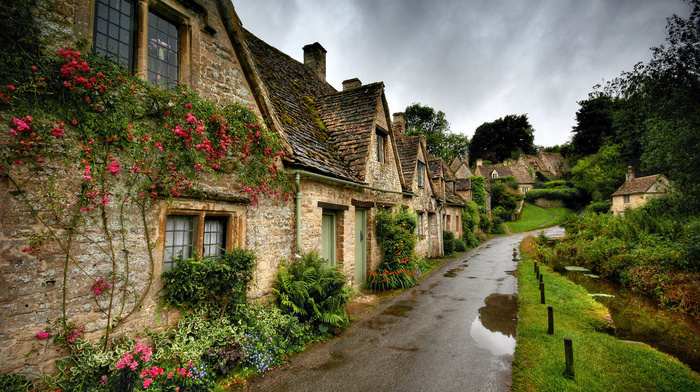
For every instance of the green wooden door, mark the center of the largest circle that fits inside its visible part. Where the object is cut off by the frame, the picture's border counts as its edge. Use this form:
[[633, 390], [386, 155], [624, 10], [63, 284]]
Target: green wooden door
[[360, 246], [328, 238]]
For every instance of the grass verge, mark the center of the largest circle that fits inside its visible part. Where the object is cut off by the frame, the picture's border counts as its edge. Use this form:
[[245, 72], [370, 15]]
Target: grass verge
[[602, 362], [534, 217]]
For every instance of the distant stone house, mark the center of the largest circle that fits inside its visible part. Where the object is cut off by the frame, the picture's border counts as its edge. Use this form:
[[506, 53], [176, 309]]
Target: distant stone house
[[452, 203], [636, 192], [460, 167], [525, 179], [413, 154]]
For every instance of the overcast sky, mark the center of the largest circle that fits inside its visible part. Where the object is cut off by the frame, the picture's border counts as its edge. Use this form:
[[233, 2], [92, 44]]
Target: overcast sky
[[475, 60]]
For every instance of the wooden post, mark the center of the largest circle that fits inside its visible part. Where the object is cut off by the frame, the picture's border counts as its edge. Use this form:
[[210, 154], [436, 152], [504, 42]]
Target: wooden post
[[542, 292], [537, 272], [569, 354], [550, 316]]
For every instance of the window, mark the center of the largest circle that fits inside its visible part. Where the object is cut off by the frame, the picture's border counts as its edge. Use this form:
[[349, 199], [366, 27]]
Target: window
[[117, 35], [626, 199], [186, 235], [421, 174], [114, 27], [525, 189], [494, 174], [381, 148], [163, 52], [420, 223]]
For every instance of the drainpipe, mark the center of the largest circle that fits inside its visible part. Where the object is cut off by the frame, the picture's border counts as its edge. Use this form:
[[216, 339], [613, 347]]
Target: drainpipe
[[297, 212]]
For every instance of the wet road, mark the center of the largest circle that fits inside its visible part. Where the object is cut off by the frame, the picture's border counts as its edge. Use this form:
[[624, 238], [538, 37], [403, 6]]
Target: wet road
[[455, 331]]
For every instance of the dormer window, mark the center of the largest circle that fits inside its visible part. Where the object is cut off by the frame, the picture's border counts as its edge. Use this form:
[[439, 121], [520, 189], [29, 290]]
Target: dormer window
[[494, 174], [381, 147], [421, 174]]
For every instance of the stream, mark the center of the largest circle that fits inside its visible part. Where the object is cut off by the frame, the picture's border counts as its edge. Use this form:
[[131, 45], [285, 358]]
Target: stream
[[639, 319]]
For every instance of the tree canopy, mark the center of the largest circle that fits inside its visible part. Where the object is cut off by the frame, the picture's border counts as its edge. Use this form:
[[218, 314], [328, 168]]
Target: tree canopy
[[503, 138], [441, 142], [653, 111]]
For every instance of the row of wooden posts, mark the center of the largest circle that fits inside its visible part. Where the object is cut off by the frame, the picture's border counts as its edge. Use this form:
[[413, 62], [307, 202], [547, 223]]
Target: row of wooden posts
[[568, 343]]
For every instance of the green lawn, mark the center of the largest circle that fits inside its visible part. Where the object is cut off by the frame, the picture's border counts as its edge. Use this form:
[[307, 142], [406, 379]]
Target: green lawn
[[601, 362], [534, 218]]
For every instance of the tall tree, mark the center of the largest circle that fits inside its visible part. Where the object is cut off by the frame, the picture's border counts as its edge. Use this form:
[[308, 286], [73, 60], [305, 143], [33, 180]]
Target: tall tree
[[441, 142], [594, 124], [503, 138], [600, 174], [662, 106]]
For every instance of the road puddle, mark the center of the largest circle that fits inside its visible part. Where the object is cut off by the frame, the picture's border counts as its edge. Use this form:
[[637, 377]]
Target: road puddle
[[453, 272], [377, 324], [398, 310], [494, 329]]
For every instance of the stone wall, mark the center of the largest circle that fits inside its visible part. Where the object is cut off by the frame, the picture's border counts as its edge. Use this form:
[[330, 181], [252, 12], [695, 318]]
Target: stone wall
[[544, 203]]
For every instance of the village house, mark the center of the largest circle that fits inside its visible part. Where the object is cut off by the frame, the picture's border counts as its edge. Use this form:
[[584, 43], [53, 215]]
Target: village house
[[414, 155], [636, 192], [547, 166], [525, 179], [343, 158], [460, 167]]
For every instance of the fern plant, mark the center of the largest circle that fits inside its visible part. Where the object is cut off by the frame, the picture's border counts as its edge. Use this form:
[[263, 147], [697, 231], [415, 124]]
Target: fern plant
[[312, 292]]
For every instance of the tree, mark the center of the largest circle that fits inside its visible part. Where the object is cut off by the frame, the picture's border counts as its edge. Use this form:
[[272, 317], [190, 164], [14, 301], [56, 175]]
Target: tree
[[661, 109], [600, 174], [594, 124], [503, 138], [441, 142]]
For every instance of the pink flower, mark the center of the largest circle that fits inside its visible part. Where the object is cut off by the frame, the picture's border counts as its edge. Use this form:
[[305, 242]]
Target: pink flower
[[42, 335], [10, 87], [147, 382], [114, 168], [103, 380]]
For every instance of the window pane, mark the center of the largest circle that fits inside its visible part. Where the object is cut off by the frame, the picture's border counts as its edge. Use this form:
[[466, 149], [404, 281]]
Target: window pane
[[163, 49], [179, 231], [214, 236], [114, 19]]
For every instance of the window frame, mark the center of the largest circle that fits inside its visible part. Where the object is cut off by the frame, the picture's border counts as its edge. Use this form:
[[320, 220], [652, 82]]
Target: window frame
[[381, 146], [626, 199], [420, 168], [174, 14]]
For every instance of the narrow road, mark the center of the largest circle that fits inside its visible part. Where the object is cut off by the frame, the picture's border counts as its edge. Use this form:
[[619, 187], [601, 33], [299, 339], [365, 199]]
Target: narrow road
[[455, 331]]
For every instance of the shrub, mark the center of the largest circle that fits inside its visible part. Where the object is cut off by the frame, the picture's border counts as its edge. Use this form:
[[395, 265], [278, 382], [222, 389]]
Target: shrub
[[314, 293], [497, 226], [218, 284], [470, 239], [598, 207], [448, 242], [460, 245], [478, 190], [484, 222], [395, 235], [572, 197], [559, 184]]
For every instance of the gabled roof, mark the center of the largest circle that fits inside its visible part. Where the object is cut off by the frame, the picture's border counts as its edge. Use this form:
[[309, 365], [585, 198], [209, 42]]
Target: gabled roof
[[407, 147], [293, 89], [642, 185], [464, 184], [349, 117], [519, 172]]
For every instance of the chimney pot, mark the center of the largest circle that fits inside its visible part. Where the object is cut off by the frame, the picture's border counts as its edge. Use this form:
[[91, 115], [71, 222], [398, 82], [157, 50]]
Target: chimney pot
[[351, 84], [315, 58], [400, 123]]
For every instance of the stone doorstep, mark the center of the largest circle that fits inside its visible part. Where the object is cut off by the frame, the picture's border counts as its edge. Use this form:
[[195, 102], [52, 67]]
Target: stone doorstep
[[361, 304]]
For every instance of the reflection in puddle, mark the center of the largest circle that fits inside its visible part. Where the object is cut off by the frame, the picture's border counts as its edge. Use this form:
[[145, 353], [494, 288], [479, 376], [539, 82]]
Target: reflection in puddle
[[398, 310], [494, 329]]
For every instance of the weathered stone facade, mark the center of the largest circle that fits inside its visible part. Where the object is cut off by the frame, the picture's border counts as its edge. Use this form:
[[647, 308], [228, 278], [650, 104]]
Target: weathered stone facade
[[636, 192]]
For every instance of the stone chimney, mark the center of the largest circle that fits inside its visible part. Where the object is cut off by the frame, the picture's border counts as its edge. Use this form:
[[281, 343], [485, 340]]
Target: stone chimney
[[541, 150], [630, 174], [315, 58], [479, 162], [351, 84], [399, 123]]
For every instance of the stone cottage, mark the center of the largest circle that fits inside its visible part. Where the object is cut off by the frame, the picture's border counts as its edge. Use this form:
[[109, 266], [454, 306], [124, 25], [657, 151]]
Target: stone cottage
[[551, 165], [636, 192], [524, 177], [413, 154], [342, 158]]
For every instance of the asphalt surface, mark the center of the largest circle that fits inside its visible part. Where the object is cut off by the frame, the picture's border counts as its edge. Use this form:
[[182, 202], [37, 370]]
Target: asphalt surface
[[455, 331]]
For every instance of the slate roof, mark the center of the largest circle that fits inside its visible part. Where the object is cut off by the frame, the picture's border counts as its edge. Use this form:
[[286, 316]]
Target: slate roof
[[293, 90], [638, 185], [407, 147], [519, 172], [349, 118], [463, 184]]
